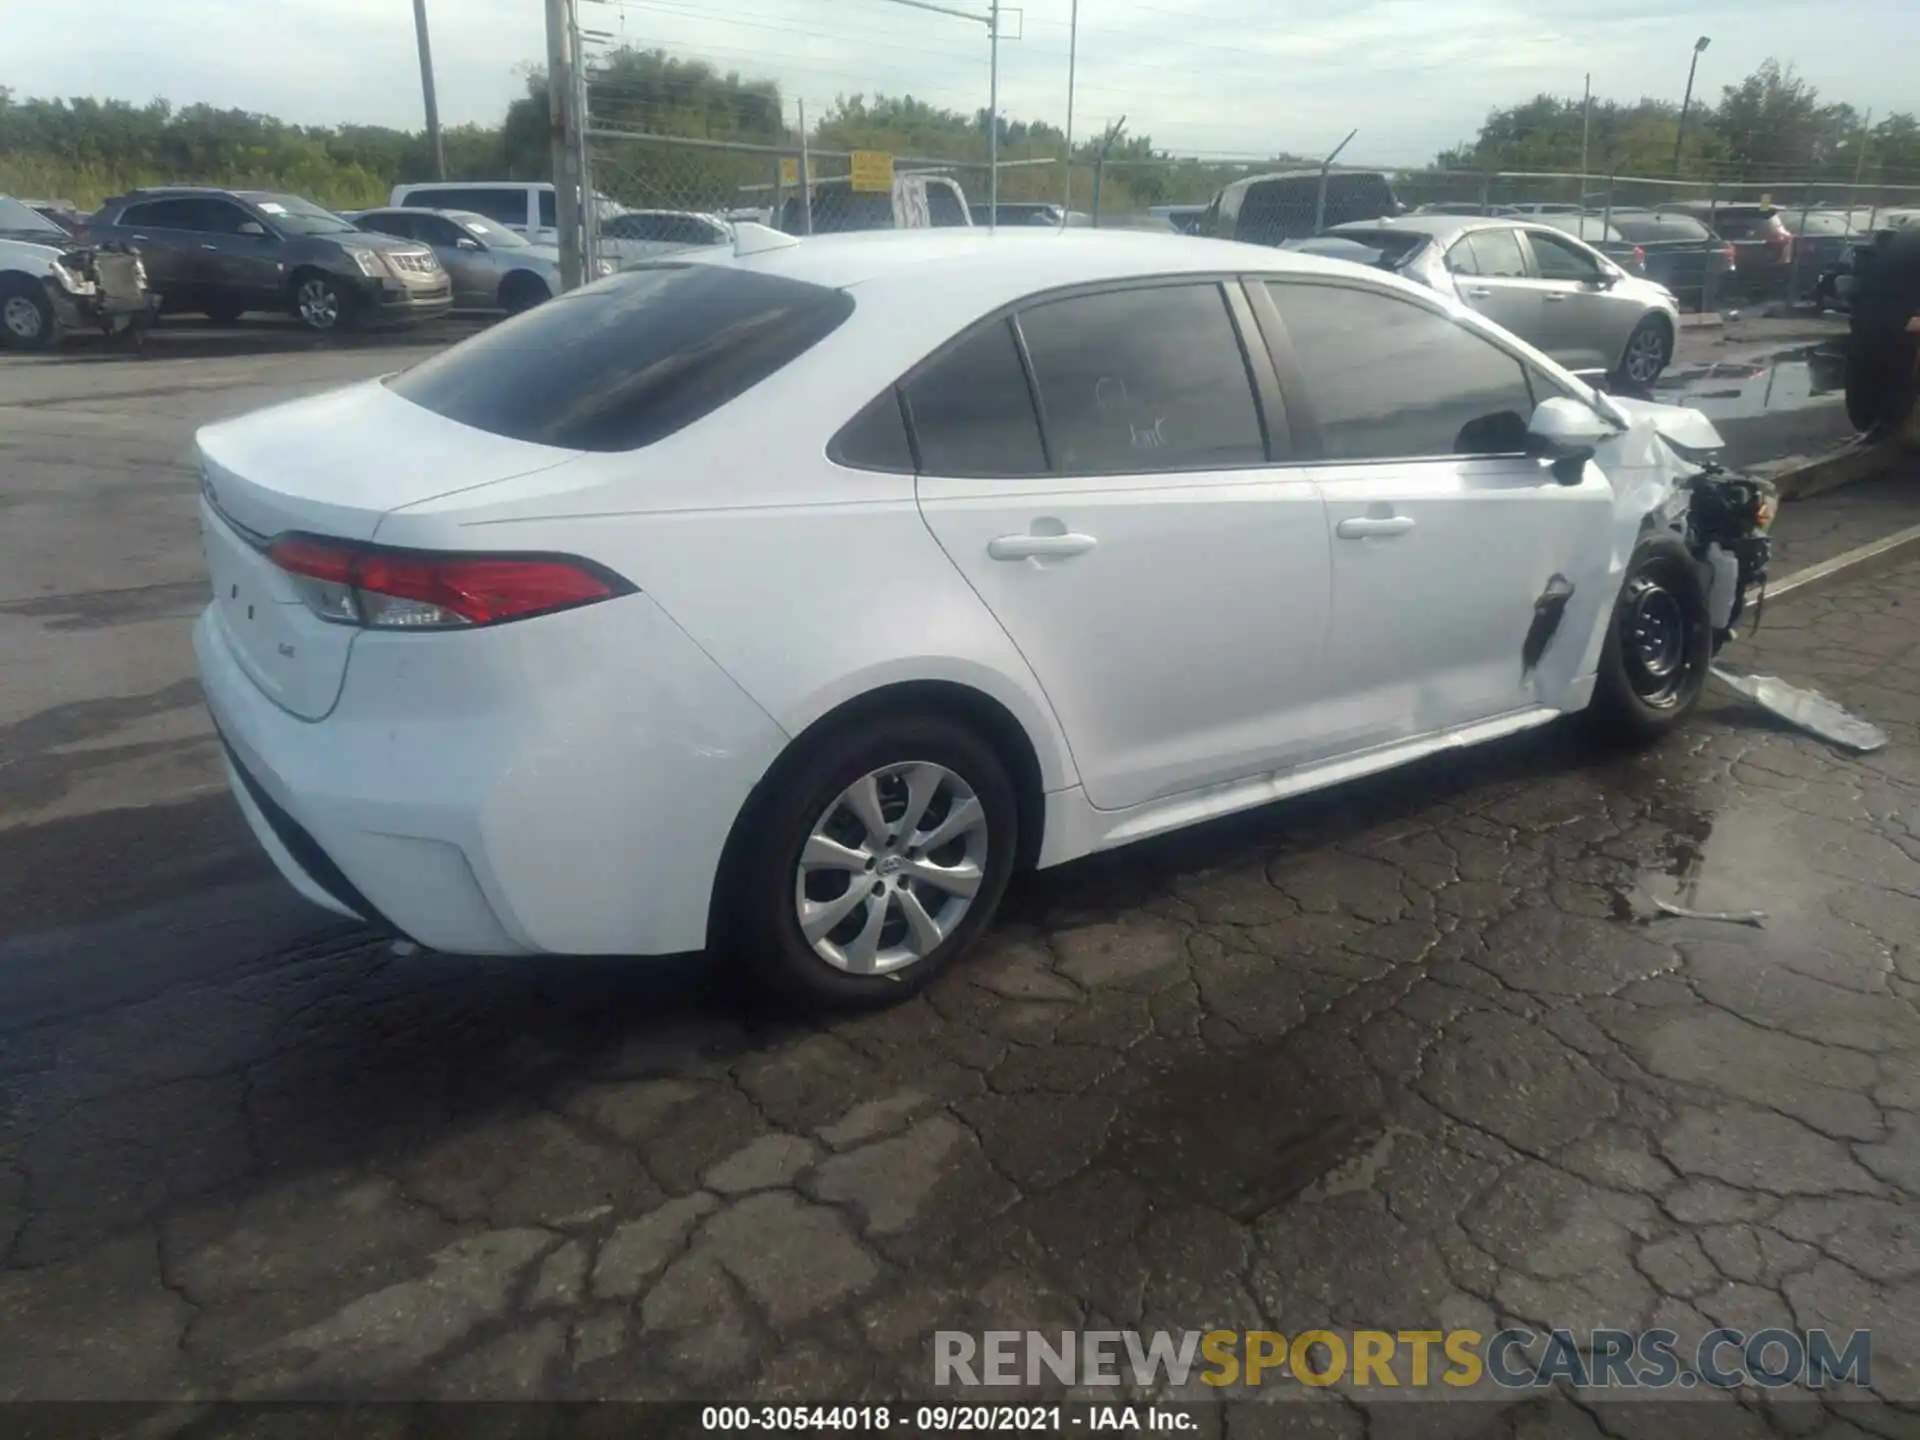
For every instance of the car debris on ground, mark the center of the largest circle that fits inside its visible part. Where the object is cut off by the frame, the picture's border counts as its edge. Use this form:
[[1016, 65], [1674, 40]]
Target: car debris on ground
[[1809, 710]]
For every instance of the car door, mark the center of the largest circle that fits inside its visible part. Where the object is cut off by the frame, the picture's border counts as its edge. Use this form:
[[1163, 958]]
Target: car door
[[1584, 322], [471, 265], [1162, 569], [238, 254], [1444, 537], [1490, 272], [162, 231]]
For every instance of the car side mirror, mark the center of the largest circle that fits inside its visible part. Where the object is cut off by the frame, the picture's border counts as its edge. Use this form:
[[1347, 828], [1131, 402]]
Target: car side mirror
[[466, 243], [1564, 433], [1567, 463], [253, 228]]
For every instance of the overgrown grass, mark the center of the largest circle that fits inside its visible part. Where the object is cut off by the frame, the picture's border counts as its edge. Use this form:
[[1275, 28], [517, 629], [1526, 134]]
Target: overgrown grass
[[325, 182]]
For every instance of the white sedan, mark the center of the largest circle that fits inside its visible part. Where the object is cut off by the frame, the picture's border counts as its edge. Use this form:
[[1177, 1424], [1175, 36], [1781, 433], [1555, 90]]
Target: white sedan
[[790, 600]]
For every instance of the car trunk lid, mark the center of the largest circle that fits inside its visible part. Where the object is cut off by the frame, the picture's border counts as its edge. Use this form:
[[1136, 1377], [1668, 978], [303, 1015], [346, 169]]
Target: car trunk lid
[[332, 465]]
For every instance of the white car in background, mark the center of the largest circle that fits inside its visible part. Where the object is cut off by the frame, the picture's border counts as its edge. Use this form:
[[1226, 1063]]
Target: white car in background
[[635, 236], [792, 600]]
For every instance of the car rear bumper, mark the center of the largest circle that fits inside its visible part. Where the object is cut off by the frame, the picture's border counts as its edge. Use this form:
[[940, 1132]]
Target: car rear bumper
[[565, 789]]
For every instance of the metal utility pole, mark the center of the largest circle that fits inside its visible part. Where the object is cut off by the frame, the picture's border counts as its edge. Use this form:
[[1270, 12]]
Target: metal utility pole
[[993, 116], [426, 90], [1100, 162], [1073, 51], [806, 179], [1686, 103], [564, 135], [1586, 129], [589, 208]]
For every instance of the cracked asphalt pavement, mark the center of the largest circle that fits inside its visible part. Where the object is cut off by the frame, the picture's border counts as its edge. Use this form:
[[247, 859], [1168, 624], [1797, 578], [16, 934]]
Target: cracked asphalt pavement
[[1412, 1054]]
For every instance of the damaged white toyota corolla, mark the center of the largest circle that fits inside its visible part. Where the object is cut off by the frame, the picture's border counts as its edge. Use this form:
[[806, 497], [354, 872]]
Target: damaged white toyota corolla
[[789, 600]]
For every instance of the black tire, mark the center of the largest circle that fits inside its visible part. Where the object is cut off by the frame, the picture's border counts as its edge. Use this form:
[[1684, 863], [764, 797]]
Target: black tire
[[521, 291], [321, 303], [223, 311], [765, 886], [27, 318], [1649, 351], [1659, 646]]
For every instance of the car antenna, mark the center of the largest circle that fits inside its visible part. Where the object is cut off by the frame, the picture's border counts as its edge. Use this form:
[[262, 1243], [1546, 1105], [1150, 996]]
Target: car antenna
[[752, 239]]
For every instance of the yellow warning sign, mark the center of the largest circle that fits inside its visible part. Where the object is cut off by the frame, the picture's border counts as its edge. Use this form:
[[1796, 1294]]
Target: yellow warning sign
[[789, 169], [873, 172]]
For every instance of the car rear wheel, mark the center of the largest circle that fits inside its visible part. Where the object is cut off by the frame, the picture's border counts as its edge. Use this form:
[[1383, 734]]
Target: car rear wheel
[[27, 321], [1649, 348], [876, 858], [321, 303], [1659, 645]]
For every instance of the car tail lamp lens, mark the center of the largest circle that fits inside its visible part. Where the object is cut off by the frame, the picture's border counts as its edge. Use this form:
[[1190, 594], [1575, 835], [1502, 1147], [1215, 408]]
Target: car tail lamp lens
[[1732, 255], [1640, 256], [414, 590]]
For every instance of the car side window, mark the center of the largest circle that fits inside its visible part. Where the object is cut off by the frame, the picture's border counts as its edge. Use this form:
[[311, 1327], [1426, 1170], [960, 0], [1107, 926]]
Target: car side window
[[548, 215], [164, 215], [221, 217], [1461, 260], [1143, 379], [388, 222], [1392, 380], [944, 207], [437, 230], [876, 438], [972, 412], [1559, 260], [1499, 254]]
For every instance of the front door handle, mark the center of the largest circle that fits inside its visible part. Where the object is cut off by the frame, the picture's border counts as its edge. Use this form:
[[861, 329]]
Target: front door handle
[[1479, 294], [1554, 297], [1363, 526], [1027, 547], [205, 246]]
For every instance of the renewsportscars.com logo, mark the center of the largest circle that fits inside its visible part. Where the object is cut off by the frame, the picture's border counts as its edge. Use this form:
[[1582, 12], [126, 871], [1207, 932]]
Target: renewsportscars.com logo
[[1514, 1359]]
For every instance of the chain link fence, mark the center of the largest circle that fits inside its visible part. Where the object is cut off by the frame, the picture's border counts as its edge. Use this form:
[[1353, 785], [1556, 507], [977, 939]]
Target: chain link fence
[[663, 193]]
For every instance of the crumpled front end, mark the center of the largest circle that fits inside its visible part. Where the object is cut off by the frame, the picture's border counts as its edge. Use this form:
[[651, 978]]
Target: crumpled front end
[[101, 287], [1668, 479]]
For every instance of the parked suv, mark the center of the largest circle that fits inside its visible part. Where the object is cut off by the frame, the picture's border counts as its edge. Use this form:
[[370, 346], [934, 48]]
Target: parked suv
[[1267, 209], [225, 252]]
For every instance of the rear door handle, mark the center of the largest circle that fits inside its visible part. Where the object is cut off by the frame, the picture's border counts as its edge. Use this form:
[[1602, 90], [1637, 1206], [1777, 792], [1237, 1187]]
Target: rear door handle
[[1479, 294], [1554, 297], [1363, 526], [1026, 547], [205, 246]]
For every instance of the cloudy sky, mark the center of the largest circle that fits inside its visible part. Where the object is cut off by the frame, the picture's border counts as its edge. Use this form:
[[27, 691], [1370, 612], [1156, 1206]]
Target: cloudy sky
[[1202, 76]]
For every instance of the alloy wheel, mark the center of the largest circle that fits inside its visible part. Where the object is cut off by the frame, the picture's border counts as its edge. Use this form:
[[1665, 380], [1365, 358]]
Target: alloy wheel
[[1646, 355], [891, 868], [22, 318], [318, 303]]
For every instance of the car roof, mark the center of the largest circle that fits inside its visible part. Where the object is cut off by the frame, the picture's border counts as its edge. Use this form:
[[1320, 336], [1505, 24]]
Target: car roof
[[997, 268], [475, 185], [1440, 227]]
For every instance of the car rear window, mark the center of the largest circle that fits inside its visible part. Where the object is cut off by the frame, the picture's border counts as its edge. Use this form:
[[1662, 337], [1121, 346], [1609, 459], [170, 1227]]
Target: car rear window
[[629, 360], [1660, 228], [1382, 249], [1742, 225]]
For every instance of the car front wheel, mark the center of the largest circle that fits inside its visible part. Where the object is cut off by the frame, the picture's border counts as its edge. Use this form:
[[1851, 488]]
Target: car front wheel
[[1649, 349], [321, 303], [27, 321], [1659, 645], [875, 859]]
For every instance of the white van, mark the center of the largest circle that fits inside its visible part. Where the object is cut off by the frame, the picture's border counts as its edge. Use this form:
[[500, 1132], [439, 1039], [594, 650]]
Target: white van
[[526, 206]]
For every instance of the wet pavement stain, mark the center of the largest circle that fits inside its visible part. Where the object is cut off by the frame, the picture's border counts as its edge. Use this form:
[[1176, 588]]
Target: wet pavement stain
[[1796, 379], [1241, 1131]]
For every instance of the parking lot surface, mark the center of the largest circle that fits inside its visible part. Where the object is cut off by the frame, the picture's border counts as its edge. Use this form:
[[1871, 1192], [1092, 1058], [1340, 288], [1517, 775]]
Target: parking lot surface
[[1413, 1054]]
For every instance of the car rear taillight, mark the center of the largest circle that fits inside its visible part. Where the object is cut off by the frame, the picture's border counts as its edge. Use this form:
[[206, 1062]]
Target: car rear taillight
[[1780, 239], [384, 589], [1640, 257], [1732, 255]]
